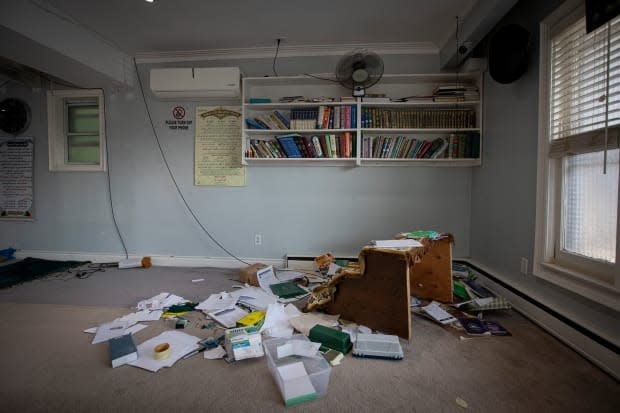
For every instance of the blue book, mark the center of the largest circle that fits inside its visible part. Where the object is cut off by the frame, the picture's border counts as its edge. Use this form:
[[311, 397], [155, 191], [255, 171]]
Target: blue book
[[283, 119], [289, 145], [253, 124], [122, 350]]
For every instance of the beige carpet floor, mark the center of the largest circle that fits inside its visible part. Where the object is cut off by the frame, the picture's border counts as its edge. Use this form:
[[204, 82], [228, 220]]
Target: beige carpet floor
[[49, 365]]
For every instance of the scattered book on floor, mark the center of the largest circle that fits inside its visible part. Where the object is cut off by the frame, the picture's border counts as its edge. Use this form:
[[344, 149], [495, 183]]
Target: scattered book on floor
[[122, 350], [495, 328], [438, 314], [474, 327], [287, 289]]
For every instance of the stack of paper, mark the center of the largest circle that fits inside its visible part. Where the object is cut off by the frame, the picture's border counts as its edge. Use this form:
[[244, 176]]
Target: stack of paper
[[180, 345], [396, 243], [296, 384]]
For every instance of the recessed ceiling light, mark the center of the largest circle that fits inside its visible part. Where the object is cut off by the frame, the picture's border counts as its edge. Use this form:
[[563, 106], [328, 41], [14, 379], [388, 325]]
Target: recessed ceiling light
[[150, 1]]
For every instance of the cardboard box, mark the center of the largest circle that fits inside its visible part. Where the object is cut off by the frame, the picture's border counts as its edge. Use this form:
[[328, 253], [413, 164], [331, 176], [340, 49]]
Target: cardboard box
[[248, 274]]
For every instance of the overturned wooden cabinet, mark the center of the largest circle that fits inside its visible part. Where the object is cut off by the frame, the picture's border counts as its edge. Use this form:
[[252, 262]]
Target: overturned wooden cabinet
[[379, 294], [431, 277]]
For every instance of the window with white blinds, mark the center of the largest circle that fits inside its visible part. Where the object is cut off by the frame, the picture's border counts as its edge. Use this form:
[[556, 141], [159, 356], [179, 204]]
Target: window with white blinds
[[585, 82], [577, 243]]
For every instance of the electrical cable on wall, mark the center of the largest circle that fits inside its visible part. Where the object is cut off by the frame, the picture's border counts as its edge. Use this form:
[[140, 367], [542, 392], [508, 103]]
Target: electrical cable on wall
[[320, 78], [107, 155], [174, 181], [273, 66]]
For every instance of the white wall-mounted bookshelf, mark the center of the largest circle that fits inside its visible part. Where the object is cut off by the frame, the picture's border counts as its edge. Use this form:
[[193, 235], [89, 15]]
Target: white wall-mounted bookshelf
[[365, 131]]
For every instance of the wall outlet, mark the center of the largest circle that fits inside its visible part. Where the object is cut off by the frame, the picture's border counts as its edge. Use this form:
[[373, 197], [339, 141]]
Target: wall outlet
[[524, 264], [258, 239]]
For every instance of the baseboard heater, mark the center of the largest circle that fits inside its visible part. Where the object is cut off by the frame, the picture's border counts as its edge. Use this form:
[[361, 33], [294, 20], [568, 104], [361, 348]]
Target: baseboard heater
[[599, 358]]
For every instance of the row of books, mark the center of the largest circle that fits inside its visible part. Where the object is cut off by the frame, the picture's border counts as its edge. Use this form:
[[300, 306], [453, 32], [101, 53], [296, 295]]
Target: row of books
[[299, 146], [406, 147], [320, 117], [324, 117], [418, 118], [268, 120]]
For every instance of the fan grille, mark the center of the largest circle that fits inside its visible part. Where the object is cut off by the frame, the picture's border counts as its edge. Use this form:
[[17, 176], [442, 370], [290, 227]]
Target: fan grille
[[356, 61]]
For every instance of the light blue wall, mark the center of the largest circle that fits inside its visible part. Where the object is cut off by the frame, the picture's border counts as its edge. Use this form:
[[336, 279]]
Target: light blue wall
[[298, 210], [504, 188]]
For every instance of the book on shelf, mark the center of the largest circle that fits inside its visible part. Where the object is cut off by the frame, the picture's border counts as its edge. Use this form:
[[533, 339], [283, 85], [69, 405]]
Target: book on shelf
[[376, 99], [423, 149], [332, 142], [254, 100], [253, 124], [289, 145], [419, 118], [283, 119], [464, 145], [317, 146], [440, 151], [300, 145]]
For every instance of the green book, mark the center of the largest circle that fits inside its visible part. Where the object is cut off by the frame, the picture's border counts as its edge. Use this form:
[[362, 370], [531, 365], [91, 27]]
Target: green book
[[287, 289]]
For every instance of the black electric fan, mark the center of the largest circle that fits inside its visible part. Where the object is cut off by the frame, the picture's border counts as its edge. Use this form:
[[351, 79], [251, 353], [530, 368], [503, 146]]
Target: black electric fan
[[359, 70]]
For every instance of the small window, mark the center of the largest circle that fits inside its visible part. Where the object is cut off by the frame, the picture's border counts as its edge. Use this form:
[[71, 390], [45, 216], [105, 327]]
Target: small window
[[76, 130]]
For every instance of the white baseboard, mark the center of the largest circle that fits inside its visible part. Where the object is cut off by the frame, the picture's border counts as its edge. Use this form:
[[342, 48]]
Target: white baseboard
[[306, 262], [156, 260], [598, 354]]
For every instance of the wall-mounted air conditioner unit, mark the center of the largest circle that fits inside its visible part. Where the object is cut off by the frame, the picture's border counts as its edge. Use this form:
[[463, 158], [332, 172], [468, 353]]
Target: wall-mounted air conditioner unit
[[196, 82]]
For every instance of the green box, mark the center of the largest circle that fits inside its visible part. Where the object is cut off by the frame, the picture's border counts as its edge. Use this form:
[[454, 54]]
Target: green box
[[331, 338]]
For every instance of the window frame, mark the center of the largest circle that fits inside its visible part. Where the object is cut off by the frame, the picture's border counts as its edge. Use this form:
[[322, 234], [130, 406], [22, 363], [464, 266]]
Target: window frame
[[57, 101], [575, 278]]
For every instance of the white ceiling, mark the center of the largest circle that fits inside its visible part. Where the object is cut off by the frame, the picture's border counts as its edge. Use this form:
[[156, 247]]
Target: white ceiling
[[92, 42], [136, 26]]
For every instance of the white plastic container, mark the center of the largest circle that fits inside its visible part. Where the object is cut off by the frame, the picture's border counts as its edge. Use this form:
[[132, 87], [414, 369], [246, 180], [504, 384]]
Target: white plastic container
[[318, 368]]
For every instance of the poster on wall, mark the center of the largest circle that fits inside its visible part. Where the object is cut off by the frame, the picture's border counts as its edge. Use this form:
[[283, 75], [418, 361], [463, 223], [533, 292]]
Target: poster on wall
[[16, 175], [217, 154]]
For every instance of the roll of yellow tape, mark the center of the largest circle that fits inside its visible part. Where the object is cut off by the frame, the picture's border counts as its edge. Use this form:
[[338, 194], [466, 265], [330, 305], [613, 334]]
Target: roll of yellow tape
[[162, 351]]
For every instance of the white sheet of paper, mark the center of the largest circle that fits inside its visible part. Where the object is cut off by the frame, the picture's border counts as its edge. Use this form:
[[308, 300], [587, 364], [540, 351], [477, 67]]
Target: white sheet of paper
[[333, 267], [276, 321], [219, 301], [215, 353], [296, 381], [107, 331], [298, 348], [438, 314], [266, 277], [228, 317], [160, 301], [142, 315], [289, 275], [254, 297], [180, 345], [484, 301], [135, 328], [396, 243], [152, 303], [305, 322]]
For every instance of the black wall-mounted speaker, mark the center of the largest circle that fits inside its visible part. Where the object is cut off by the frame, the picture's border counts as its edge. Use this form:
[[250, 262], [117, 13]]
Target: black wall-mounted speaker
[[599, 12], [509, 49], [14, 116]]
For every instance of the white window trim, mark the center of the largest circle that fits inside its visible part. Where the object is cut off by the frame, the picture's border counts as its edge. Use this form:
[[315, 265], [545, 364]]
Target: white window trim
[[56, 127], [548, 171]]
